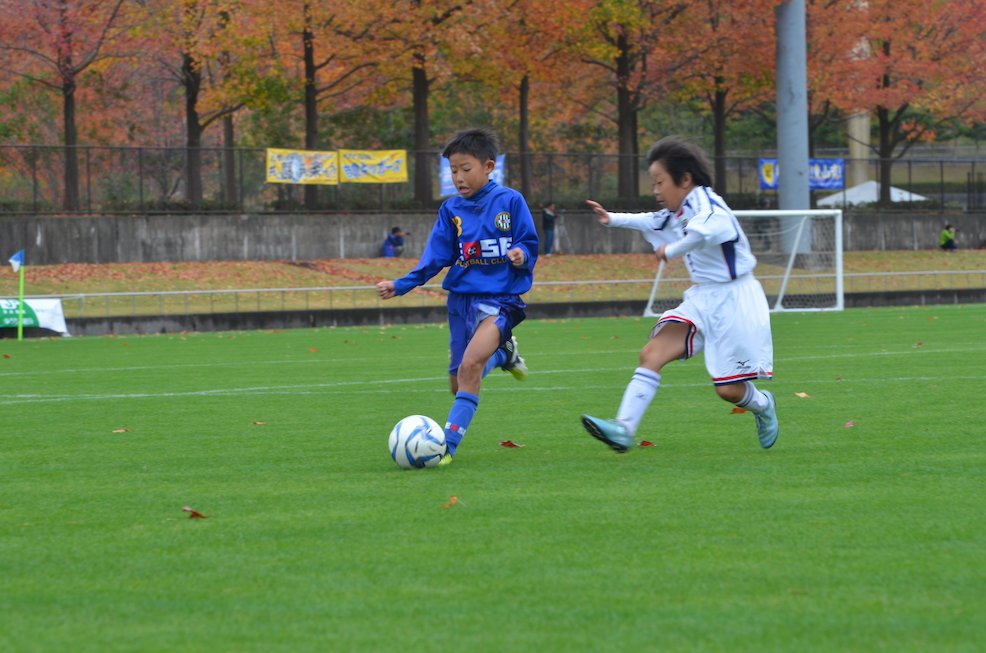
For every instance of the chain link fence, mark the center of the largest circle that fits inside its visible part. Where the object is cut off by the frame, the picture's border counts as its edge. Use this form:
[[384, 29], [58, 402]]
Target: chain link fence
[[150, 180]]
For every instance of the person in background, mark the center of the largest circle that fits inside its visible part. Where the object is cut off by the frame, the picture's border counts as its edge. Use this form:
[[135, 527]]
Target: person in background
[[394, 244], [946, 240], [548, 226]]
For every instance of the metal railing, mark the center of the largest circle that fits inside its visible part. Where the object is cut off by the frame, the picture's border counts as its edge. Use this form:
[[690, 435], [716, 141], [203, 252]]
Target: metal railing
[[189, 302]]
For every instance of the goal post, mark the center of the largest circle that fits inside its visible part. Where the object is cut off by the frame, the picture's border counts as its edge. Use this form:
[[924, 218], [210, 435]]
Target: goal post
[[799, 262]]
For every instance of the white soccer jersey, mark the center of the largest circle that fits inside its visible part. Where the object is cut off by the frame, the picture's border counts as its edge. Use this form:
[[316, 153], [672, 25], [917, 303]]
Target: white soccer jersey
[[703, 231]]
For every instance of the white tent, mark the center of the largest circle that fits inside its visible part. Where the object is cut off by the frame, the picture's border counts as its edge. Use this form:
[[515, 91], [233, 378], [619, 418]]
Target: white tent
[[867, 192]]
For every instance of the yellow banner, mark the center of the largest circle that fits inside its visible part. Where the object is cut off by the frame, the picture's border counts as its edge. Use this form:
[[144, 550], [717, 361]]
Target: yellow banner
[[302, 167], [373, 166]]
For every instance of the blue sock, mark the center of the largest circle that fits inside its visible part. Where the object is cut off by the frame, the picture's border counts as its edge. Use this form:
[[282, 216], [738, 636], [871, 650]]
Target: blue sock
[[498, 359], [463, 409]]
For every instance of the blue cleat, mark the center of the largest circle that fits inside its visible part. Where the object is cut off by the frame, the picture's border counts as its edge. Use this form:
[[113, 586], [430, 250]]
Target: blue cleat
[[613, 434], [767, 422]]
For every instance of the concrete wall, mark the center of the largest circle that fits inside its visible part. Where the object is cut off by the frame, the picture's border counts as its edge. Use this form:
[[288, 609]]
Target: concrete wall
[[112, 239]]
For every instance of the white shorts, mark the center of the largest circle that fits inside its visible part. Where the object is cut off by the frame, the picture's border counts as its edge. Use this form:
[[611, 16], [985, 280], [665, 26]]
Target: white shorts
[[731, 323]]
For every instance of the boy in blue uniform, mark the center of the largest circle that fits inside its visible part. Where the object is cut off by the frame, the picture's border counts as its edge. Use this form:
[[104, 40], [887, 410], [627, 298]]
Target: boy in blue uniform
[[486, 237]]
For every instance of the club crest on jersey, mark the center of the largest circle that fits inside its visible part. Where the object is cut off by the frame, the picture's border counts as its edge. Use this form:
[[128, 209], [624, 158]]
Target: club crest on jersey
[[502, 221]]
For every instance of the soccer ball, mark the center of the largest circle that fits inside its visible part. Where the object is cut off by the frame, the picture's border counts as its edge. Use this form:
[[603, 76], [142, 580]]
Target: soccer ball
[[417, 441]]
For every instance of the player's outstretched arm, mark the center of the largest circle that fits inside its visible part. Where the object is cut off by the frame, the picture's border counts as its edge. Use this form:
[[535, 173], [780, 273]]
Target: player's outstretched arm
[[385, 289], [601, 214]]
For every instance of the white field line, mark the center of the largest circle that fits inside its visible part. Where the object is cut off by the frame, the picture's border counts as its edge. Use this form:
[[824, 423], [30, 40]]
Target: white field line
[[426, 385], [429, 360], [973, 347], [318, 389]]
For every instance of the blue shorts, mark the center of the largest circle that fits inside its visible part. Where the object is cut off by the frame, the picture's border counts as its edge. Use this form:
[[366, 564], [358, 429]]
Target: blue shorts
[[465, 312]]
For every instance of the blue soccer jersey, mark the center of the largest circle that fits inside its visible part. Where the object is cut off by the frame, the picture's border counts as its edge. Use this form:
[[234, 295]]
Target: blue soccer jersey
[[472, 236]]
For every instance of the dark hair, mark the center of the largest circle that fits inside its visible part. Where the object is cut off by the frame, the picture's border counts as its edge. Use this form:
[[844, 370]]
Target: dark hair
[[480, 143], [678, 157], [395, 230]]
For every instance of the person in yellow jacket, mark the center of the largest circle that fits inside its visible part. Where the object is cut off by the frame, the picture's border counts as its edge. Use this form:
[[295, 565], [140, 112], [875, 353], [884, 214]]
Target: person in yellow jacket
[[946, 240]]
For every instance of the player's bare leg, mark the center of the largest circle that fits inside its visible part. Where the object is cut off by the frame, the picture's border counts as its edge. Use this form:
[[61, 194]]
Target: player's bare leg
[[668, 344], [481, 346]]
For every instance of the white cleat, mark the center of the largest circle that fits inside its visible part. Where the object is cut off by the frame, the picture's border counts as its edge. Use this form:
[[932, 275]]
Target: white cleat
[[515, 363]]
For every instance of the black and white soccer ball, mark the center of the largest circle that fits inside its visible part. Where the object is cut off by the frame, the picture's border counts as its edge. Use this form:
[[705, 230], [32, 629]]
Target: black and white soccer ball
[[417, 441]]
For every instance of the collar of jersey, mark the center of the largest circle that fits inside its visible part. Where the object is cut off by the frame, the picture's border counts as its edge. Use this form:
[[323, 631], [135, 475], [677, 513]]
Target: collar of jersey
[[483, 192]]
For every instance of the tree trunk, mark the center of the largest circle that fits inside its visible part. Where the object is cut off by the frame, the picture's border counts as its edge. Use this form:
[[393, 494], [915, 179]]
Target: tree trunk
[[628, 181], [422, 133], [523, 138], [70, 201], [311, 104], [229, 163], [192, 80], [885, 152], [719, 138]]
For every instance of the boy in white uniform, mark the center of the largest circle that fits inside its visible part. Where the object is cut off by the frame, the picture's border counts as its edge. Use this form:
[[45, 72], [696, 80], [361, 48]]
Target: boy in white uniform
[[725, 312]]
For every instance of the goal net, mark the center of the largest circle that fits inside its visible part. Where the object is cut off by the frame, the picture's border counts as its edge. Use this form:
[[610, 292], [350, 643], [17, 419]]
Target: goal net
[[799, 262]]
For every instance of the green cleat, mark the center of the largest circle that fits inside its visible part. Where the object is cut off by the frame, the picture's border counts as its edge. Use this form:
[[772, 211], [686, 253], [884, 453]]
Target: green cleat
[[445, 460]]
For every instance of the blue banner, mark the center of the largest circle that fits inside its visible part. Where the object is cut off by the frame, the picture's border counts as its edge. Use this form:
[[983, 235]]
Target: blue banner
[[823, 174], [446, 187]]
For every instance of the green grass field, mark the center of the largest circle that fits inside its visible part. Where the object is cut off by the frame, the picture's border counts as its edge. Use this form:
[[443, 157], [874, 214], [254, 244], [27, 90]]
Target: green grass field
[[862, 530]]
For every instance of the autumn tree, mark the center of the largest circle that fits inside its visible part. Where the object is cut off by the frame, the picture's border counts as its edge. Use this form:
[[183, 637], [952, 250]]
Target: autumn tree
[[52, 43], [328, 43], [914, 65], [729, 63], [511, 50], [213, 50], [629, 40], [410, 39]]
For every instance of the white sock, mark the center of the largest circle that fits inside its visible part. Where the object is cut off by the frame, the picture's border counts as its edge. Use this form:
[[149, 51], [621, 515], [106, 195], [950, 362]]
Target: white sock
[[637, 397], [754, 400]]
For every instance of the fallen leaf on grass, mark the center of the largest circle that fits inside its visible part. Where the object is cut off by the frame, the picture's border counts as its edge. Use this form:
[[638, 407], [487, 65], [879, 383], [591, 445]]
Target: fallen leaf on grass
[[645, 443], [839, 378], [849, 424], [6, 355], [121, 430], [737, 410], [313, 350], [803, 395], [259, 423], [452, 500], [193, 513], [510, 444], [919, 343]]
